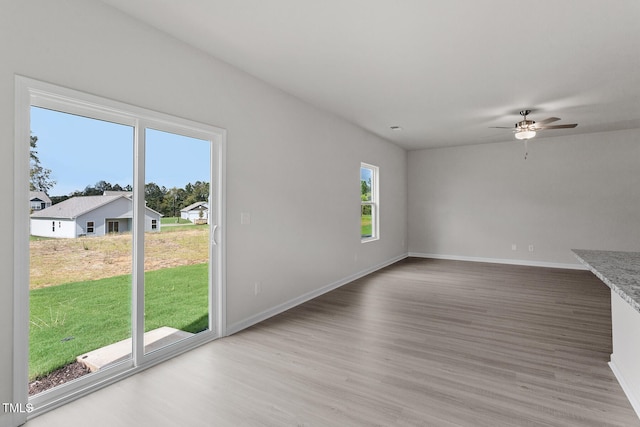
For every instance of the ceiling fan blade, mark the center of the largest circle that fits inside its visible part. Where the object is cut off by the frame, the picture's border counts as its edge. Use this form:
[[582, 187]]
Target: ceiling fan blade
[[571, 126], [549, 120], [501, 127]]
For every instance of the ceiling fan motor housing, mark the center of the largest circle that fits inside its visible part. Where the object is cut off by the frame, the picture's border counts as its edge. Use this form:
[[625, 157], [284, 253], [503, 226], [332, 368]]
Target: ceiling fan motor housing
[[525, 124]]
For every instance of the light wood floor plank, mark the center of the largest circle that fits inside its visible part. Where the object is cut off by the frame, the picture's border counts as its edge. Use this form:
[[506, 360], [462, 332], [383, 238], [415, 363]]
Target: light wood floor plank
[[420, 343]]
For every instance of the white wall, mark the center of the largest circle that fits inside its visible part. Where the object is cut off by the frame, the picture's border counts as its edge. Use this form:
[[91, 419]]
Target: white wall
[[63, 229], [294, 168], [578, 191]]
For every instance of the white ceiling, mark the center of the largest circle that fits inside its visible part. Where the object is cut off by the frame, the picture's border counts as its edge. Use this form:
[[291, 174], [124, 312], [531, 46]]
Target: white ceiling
[[443, 70]]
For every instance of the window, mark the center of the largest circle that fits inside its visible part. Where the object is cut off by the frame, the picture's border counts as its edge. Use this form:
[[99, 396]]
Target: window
[[113, 226], [130, 313], [369, 216], [154, 224]]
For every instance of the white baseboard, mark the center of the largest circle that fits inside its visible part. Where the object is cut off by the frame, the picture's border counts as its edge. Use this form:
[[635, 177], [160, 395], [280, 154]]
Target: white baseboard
[[500, 261], [628, 391], [243, 324]]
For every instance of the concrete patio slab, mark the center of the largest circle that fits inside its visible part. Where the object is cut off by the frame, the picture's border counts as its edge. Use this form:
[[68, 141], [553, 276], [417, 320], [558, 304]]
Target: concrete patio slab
[[117, 352]]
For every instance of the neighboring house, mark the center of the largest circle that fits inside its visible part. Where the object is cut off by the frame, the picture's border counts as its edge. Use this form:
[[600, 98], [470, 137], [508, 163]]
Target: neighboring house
[[38, 200], [196, 211], [90, 216]]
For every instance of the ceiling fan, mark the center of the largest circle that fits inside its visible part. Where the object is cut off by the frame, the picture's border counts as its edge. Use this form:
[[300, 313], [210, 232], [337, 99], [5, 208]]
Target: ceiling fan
[[526, 129]]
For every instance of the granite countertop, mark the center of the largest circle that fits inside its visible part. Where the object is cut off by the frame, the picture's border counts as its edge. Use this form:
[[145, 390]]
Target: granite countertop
[[619, 270]]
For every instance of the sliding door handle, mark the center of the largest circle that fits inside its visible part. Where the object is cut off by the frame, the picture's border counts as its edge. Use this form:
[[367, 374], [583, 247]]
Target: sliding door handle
[[213, 234]]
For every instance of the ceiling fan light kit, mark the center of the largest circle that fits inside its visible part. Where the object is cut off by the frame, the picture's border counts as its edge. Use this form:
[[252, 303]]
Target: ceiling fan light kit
[[525, 134]]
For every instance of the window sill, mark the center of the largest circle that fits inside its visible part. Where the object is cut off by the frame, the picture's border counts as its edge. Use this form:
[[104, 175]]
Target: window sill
[[369, 239]]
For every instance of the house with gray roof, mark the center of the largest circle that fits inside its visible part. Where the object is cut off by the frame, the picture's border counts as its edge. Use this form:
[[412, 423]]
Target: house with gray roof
[[196, 212], [38, 200], [90, 216]]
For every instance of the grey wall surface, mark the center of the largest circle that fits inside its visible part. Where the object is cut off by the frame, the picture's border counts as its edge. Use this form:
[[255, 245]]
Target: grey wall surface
[[581, 191], [293, 167]]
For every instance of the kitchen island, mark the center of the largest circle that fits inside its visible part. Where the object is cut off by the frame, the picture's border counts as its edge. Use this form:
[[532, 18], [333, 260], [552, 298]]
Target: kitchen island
[[621, 272]]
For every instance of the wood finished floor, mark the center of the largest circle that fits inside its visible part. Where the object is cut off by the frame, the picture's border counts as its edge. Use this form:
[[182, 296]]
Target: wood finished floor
[[420, 343]]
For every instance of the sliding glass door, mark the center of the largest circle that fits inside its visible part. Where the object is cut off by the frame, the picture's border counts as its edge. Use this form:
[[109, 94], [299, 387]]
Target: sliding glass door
[[124, 234]]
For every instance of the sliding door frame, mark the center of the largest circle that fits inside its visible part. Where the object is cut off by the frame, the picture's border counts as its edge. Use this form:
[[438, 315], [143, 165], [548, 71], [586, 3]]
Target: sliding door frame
[[28, 93]]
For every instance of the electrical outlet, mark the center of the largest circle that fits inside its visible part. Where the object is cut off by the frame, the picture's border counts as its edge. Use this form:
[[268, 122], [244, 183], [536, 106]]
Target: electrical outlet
[[530, 248], [514, 247], [257, 288]]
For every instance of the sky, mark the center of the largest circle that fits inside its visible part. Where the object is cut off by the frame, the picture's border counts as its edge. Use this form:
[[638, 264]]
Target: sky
[[80, 152], [365, 174]]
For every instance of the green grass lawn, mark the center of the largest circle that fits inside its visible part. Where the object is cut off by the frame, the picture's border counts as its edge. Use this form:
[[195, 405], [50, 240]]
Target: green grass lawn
[[174, 220], [365, 226], [71, 319]]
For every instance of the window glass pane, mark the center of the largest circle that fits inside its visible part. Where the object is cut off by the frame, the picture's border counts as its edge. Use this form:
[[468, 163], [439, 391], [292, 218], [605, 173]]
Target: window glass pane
[[80, 244], [177, 250], [369, 200], [366, 182], [366, 221]]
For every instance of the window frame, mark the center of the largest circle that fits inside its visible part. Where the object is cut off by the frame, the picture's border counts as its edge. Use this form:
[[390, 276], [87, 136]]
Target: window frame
[[374, 203], [91, 226], [30, 92]]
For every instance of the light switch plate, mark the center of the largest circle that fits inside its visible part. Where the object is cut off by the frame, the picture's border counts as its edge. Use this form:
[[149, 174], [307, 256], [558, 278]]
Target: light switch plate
[[245, 218]]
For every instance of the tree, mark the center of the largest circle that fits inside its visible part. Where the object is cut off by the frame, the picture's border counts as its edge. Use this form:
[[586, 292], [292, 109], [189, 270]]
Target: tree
[[201, 191], [154, 196], [197, 192], [103, 186], [58, 199], [173, 202], [39, 176], [365, 195], [365, 190]]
